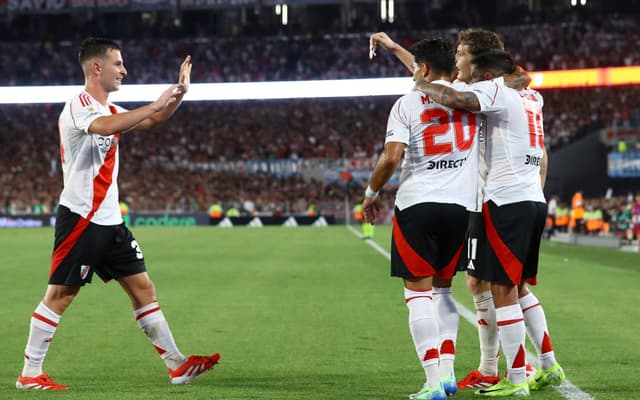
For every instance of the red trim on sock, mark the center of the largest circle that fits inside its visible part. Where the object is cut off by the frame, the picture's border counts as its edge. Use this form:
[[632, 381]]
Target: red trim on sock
[[160, 350], [447, 347], [144, 314], [509, 321], [431, 354], [546, 344], [530, 307], [483, 322], [44, 319], [408, 299]]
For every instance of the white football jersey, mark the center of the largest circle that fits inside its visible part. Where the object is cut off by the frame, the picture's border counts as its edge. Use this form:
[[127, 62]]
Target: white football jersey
[[89, 162], [515, 142], [482, 145], [441, 158]]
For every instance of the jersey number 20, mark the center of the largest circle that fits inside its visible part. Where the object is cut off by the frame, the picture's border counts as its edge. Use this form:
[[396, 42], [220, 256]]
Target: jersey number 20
[[443, 121]]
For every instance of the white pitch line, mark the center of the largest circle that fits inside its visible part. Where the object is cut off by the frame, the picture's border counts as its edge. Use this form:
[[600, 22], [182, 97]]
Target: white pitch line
[[567, 389]]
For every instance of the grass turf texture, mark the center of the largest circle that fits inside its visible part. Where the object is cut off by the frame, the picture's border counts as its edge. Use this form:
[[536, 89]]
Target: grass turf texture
[[302, 313]]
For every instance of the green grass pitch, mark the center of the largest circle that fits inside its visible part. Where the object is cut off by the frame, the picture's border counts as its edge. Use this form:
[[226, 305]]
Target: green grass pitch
[[301, 313]]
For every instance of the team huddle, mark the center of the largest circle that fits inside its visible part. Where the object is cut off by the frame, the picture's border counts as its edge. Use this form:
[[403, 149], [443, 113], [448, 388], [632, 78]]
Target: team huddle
[[471, 144], [484, 211]]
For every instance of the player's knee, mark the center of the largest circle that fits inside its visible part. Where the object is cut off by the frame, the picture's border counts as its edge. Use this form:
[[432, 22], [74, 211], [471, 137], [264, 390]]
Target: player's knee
[[477, 286], [420, 284], [58, 298], [523, 290]]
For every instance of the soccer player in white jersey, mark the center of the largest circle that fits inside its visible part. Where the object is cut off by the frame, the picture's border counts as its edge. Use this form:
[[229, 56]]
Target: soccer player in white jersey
[[90, 235], [470, 42], [514, 214], [437, 185]]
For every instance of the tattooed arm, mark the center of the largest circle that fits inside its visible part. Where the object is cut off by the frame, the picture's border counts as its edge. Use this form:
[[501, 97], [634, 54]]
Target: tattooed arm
[[449, 97], [518, 80]]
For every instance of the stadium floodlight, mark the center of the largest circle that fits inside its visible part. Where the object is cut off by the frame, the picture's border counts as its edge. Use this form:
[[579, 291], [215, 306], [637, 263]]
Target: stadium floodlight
[[285, 14], [383, 10], [220, 91]]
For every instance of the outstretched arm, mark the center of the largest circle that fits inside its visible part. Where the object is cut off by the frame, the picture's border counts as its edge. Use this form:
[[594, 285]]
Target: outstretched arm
[[385, 167], [122, 122], [383, 40], [449, 97]]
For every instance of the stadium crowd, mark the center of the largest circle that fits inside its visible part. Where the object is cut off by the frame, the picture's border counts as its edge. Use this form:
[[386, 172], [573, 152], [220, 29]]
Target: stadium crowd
[[596, 42], [335, 129]]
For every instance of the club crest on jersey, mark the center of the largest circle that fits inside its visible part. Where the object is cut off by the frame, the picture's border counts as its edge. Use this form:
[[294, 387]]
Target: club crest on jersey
[[84, 271]]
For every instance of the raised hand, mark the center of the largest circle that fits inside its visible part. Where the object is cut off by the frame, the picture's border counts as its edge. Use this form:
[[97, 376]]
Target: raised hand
[[185, 74], [169, 96], [383, 40]]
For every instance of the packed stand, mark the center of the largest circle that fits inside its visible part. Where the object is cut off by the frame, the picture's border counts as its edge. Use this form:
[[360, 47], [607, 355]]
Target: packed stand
[[156, 166], [573, 43]]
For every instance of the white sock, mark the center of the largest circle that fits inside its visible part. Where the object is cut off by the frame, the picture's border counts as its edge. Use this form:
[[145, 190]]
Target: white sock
[[448, 320], [152, 322], [41, 329], [487, 333], [537, 330], [512, 334], [424, 331]]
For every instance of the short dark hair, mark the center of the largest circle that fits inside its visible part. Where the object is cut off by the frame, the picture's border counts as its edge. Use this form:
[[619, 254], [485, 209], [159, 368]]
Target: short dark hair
[[480, 40], [498, 62], [95, 47], [437, 53]]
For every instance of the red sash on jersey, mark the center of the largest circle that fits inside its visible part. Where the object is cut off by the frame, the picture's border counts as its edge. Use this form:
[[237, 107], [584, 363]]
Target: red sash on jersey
[[101, 184]]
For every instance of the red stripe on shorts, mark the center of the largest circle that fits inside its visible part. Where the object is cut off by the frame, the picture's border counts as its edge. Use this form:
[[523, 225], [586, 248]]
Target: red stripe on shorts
[[510, 263], [418, 266], [448, 271]]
